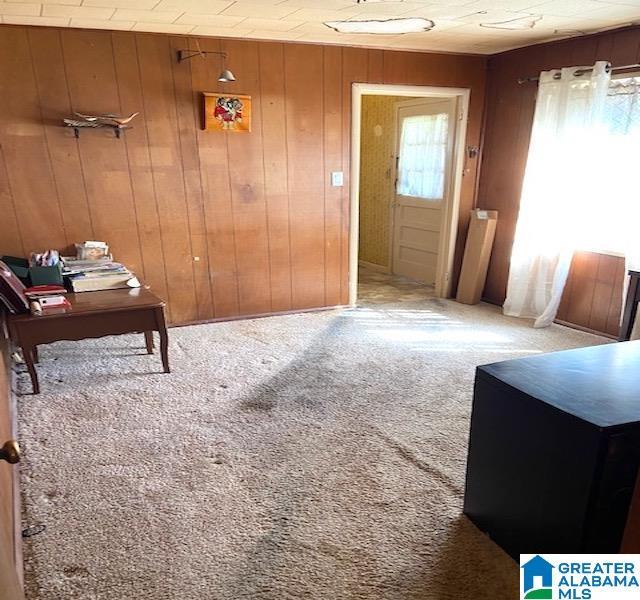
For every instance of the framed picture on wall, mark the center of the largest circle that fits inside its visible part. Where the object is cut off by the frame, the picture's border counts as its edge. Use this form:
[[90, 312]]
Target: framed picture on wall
[[226, 112]]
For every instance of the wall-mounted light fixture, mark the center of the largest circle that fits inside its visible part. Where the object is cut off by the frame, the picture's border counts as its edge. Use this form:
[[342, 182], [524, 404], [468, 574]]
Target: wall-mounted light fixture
[[225, 75]]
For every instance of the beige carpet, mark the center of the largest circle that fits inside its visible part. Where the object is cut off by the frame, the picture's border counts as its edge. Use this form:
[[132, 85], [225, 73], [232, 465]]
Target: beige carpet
[[316, 456]]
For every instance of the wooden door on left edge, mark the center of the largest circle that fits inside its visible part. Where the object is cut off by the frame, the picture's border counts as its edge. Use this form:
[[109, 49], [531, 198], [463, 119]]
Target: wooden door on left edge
[[10, 550]]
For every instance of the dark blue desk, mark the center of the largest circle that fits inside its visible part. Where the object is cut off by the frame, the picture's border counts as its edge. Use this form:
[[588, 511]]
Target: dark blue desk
[[554, 449]]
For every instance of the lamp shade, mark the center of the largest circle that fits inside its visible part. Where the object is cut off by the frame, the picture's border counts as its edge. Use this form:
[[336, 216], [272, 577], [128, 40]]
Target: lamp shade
[[226, 75]]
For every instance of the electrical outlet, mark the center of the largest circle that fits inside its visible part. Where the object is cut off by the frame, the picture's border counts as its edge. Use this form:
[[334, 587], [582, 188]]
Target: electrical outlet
[[337, 178]]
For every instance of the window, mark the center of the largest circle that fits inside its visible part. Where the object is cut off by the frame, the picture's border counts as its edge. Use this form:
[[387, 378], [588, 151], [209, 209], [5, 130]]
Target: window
[[617, 202], [423, 153]]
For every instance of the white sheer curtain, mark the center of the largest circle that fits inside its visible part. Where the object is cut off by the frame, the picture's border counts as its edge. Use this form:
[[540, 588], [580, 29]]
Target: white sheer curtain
[[423, 150], [558, 193], [616, 228]]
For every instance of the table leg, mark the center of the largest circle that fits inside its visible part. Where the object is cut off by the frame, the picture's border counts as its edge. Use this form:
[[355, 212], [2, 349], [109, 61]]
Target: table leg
[[164, 338], [148, 340], [630, 309], [28, 352], [36, 356]]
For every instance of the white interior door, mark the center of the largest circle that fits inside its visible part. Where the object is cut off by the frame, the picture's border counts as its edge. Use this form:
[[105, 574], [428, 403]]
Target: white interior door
[[424, 150]]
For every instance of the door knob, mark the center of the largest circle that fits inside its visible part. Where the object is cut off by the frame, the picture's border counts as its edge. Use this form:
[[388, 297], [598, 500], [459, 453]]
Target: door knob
[[10, 452]]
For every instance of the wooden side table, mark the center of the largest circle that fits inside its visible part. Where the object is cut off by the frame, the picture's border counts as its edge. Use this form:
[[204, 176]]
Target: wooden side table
[[92, 315], [630, 306]]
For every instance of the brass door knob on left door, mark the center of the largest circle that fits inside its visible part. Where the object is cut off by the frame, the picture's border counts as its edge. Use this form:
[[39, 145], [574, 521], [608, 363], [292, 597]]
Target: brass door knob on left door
[[10, 452]]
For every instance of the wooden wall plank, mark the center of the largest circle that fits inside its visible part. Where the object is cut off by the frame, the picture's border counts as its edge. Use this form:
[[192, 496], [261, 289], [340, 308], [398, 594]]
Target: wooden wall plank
[[187, 117], [605, 281], [24, 144], [615, 307], [375, 68], [125, 57], [395, 69], [592, 297], [155, 58], [246, 172], [355, 64], [306, 173], [216, 189], [333, 196], [91, 76], [274, 153], [584, 267], [9, 230], [51, 80]]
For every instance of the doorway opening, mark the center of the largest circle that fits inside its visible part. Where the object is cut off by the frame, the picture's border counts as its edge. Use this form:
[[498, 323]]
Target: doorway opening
[[407, 160]]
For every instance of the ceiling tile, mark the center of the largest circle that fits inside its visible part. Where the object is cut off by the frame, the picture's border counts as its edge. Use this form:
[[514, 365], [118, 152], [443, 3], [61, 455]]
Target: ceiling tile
[[162, 28], [443, 12], [146, 16], [88, 12], [265, 34], [614, 12], [628, 2], [565, 8], [101, 24], [139, 4], [211, 30], [213, 20], [263, 11], [319, 14], [67, 2], [271, 24], [20, 9], [393, 9], [196, 6], [329, 4], [30, 20], [513, 5]]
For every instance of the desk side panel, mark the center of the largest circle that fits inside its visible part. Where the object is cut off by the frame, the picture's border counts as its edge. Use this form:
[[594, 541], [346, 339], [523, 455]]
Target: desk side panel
[[529, 472]]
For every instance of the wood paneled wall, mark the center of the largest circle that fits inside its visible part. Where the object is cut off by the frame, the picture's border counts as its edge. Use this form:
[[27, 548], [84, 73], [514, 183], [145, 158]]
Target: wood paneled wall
[[592, 297], [509, 117], [257, 210]]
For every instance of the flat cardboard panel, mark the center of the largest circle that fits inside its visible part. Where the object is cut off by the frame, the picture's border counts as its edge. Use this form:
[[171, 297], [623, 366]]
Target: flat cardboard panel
[[477, 252]]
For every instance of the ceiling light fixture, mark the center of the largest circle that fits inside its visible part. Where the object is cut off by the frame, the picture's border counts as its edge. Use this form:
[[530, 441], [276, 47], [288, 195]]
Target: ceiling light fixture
[[520, 23], [383, 27], [225, 76]]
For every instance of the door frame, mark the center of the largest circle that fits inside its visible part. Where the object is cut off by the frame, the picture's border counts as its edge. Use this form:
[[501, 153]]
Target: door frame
[[451, 208]]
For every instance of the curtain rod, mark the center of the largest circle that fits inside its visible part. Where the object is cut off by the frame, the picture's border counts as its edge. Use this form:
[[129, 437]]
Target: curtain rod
[[579, 72]]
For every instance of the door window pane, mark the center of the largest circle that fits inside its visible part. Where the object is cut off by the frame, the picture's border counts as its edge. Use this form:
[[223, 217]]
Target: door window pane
[[423, 153]]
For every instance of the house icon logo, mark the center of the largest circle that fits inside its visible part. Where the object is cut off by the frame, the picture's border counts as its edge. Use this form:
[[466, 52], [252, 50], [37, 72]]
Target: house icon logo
[[537, 579]]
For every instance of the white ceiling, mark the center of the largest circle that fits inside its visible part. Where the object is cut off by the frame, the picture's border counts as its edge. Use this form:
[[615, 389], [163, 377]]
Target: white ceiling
[[457, 22]]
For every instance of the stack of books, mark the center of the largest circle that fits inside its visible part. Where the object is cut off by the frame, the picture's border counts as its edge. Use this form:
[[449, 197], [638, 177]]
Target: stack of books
[[97, 274]]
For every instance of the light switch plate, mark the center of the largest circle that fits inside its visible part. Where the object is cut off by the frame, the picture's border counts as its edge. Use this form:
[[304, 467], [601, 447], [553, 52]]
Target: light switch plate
[[337, 178]]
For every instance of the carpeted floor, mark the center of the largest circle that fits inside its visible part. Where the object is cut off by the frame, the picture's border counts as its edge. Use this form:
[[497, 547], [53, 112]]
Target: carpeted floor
[[316, 456]]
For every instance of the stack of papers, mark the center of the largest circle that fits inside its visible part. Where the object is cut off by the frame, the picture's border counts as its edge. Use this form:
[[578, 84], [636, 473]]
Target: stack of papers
[[94, 275]]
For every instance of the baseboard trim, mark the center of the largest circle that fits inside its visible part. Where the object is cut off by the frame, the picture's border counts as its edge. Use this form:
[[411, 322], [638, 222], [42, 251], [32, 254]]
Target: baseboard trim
[[259, 315], [373, 267], [585, 329]]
